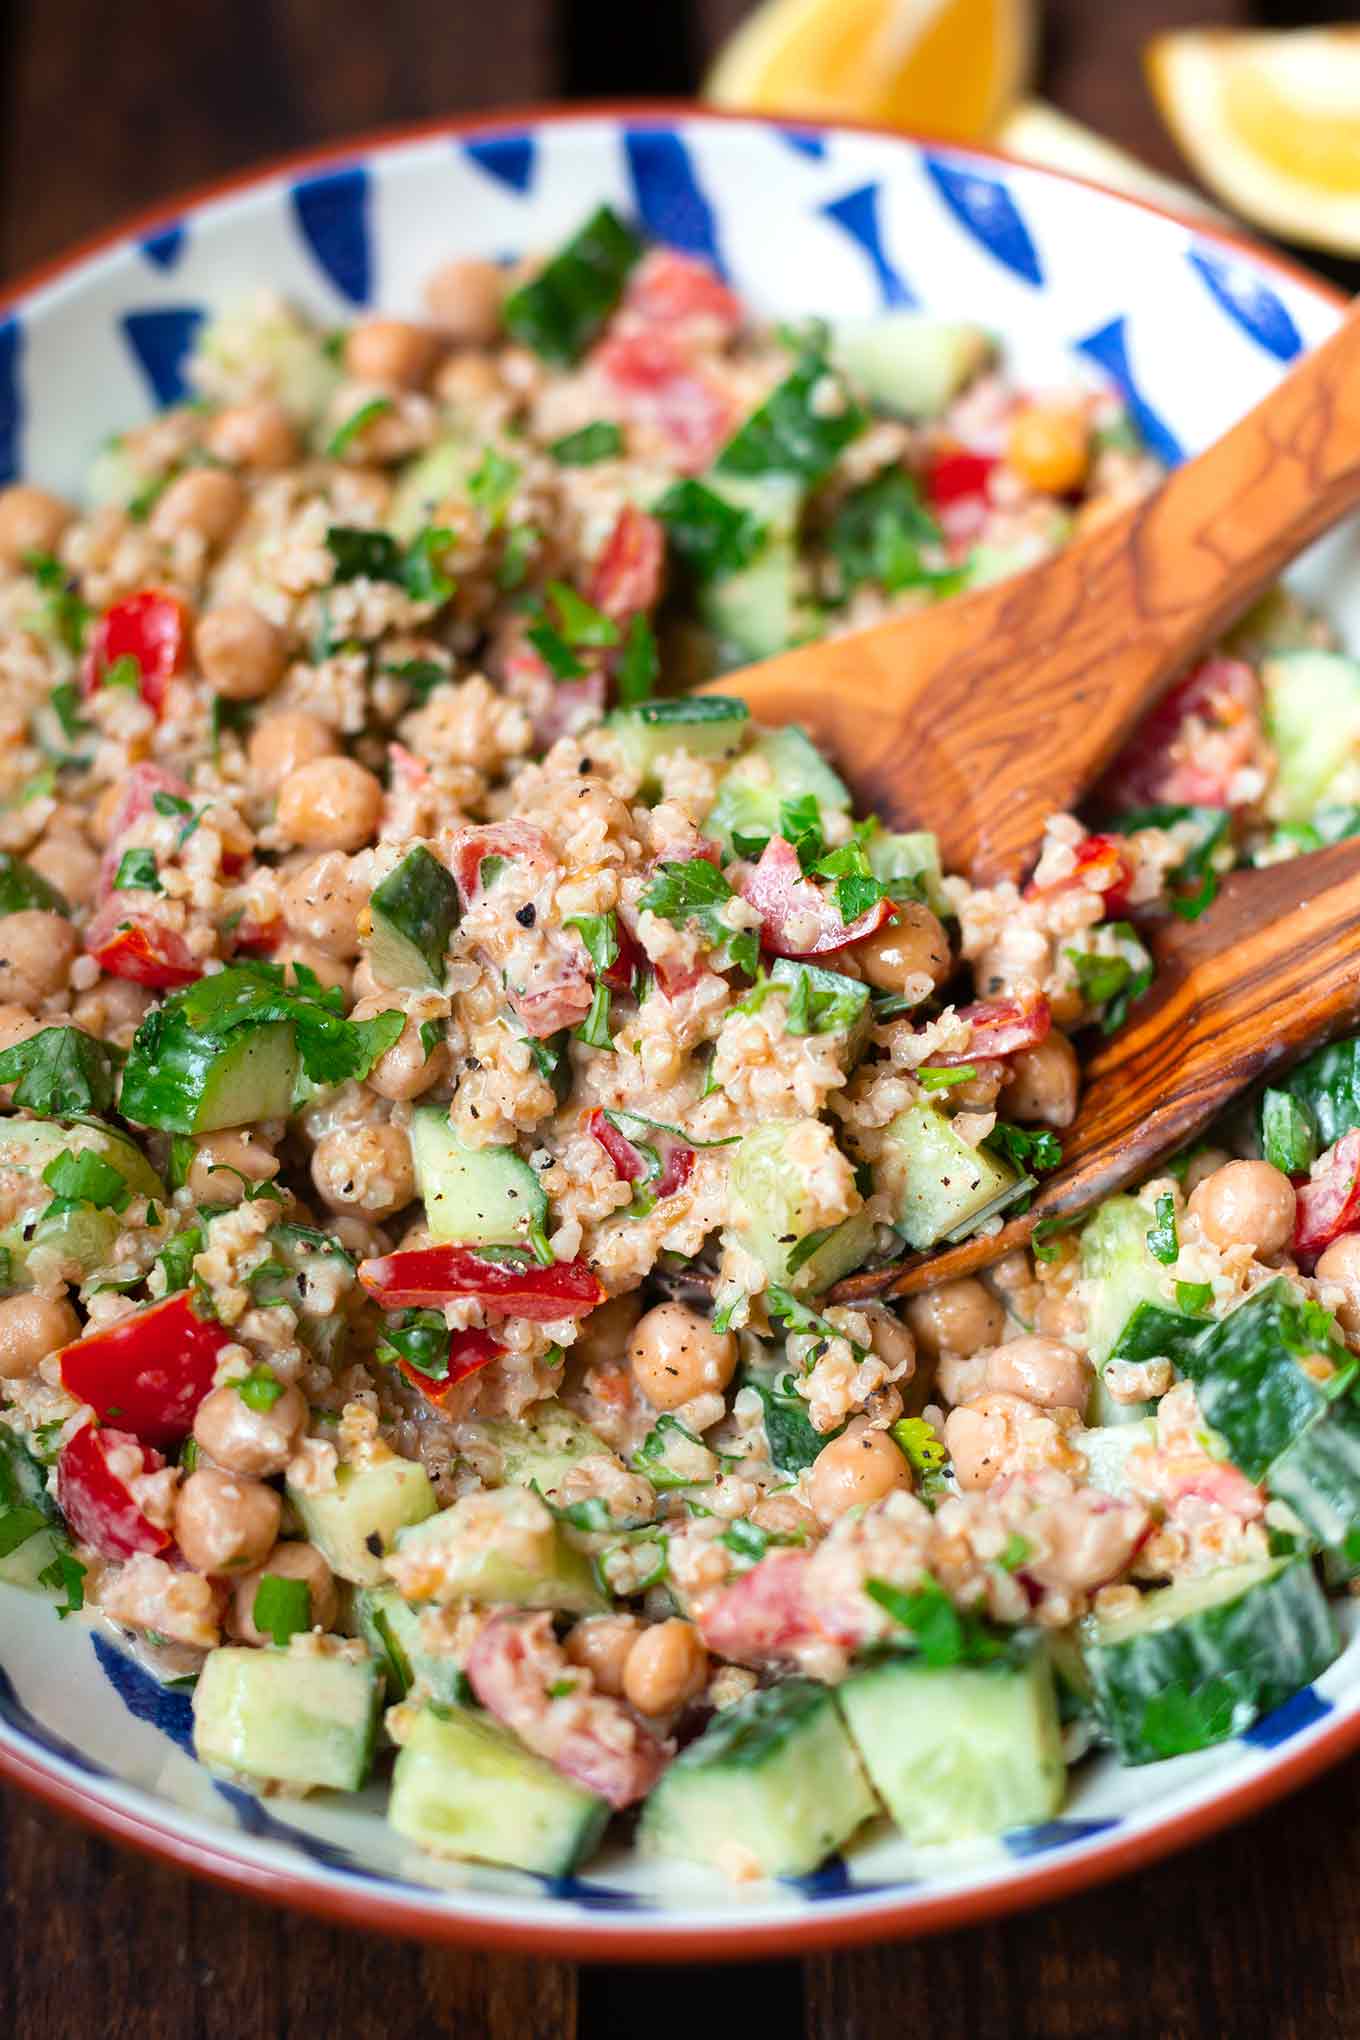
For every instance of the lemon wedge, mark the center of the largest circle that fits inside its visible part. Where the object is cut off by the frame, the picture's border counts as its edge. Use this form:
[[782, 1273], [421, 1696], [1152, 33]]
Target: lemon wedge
[[1271, 123], [945, 67], [1038, 133]]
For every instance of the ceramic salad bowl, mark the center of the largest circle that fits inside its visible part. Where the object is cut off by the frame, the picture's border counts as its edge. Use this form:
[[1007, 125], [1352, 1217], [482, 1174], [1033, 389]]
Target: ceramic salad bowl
[[1192, 325]]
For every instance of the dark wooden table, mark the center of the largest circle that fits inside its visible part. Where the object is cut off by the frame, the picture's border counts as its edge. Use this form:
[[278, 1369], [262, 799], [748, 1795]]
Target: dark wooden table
[[112, 104]]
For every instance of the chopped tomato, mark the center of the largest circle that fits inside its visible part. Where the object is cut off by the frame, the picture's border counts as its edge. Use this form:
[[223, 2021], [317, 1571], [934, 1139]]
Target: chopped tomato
[[469, 1351], [258, 938], [955, 473], [148, 1372], [409, 773], [96, 1501], [630, 960], [1165, 762], [799, 919], [682, 293], [426, 1277], [132, 946], [657, 1158], [656, 383], [626, 578], [1193, 1474], [514, 842], [999, 1027], [761, 1615], [151, 628], [1105, 864], [139, 792], [1329, 1198]]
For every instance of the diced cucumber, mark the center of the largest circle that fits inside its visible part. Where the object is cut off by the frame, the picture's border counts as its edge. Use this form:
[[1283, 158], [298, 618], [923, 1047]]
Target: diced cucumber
[[464, 1786], [113, 476], [502, 1546], [257, 346], [915, 856], [773, 1781], [290, 1716], [540, 1448], [1313, 720], [414, 910], [31, 1534], [84, 1233], [789, 1432], [781, 765], [1150, 1332], [772, 1214], [705, 725], [1199, 1661], [1106, 1448], [181, 1081], [909, 362], [941, 1187], [354, 1523], [1319, 1476], [1117, 1271], [391, 1629], [427, 482], [823, 1002], [22, 888], [25, 1565], [1248, 1381], [959, 1750], [481, 1197]]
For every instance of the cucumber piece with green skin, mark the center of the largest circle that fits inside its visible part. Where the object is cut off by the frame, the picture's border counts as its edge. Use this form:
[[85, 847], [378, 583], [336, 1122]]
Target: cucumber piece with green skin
[[464, 1786], [1319, 1476], [1248, 1381], [192, 1083], [22, 889], [25, 1565], [941, 1187], [671, 1456], [297, 1718], [480, 1197], [391, 1629], [772, 1213], [31, 1534], [955, 1751], [84, 1234], [414, 911], [354, 1523], [774, 1780], [540, 1448], [1313, 720], [1117, 1271], [915, 856], [1327, 1085], [1151, 1332], [428, 481], [1197, 1662], [909, 362], [500, 1547], [706, 725], [781, 765]]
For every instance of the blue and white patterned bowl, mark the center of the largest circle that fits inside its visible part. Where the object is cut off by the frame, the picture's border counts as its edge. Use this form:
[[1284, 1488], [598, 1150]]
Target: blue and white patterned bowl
[[1193, 325]]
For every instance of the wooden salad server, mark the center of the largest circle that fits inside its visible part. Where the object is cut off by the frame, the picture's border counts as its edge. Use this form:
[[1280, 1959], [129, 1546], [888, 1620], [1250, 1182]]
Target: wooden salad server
[[982, 716], [1271, 971]]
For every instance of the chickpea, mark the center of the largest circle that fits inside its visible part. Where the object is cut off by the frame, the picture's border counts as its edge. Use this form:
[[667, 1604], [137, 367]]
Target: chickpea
[[981, 1437], [224, 1523], [331, 804], [390, 351], [890, 1339], [1044, 1371], [1042, 1084], [115, 1008], [221, 1162], [860, 1466], [600, 1644], [259, 435], [676, 1354], [666, 1666], [295, 1560], [1049, 447], [359, 1236], [1338, 1265], [604, 1335], [326, 968], [36, 952], [68, 863], [365, 980], [1205, 1163], [241, 654], [242, 1439], [322, 904], [279, 745], [17, 1024], [784, 1516], [959, 1317], [464, 300], [31, 520], [31, 1327], [467, 381], [1246, 1204], [913, 946], [405, 1070], [365, 1169], [206, 501]]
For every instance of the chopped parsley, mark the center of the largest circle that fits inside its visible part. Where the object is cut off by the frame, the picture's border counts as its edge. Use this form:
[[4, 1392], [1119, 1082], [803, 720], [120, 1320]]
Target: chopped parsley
[[68, 615], [345, 435], [420, 1338], [1027, 1146], [940, 1632], [1163, 1239], [137, 873], [1194, 1298], [85, 1178], [282, 1607], [377, 556], [61, 1072], [261, 1388], [599, 441], [692, 894], [558, 312], [492, 485], [796, 431], [708, 535], [639, 664]]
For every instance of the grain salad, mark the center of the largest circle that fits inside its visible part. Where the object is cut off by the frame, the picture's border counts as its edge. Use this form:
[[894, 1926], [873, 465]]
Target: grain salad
[[447, 1069]]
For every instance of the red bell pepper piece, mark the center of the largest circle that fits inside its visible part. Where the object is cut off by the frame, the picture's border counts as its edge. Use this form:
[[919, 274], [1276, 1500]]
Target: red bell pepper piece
[[1105, 865], [1329, 1197], [152, 628], [426, 1277], [626, 578], [96, 1501], [955, 473], [148, 1372], [669, 1165], [469, 1351], [999, 1027], [788, 902], [516, 842], [135, 947]]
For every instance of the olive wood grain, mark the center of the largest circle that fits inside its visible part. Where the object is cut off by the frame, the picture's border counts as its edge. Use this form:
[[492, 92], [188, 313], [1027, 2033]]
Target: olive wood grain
[[1269, 972], [980, 717]]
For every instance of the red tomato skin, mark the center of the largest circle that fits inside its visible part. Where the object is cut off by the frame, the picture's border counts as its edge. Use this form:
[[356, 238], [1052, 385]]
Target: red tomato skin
[[469, 1352], [139, 792], [955, 473], [628, 1163], [681, 292], [778, 890], [1000, 1027], [128, 946], [98, 1508], [1223, 693], [626, 578], [1328, 1198], [517, 842], [148, 1372], [151, 627], [656, 382], [424, 1277], [1104, 865]]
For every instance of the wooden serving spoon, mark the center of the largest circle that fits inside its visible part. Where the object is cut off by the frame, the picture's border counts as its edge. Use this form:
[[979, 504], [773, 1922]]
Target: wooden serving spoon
[[1271, 971], [981, 717]]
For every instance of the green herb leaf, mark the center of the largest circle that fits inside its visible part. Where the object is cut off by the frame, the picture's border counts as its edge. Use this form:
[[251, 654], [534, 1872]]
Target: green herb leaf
[[261, 1388], [796, 431], [1288, 1135], [937, 1078], [878, 533], [747, 1540], [1030, 1148], [922, 1446], [62, 1073], [1193, 883], [345, 435], [282, 1607], [137, 873], [590, 443], [68, 615], [942, 1634], [594, 1029], [66, 1575], [177, 1258], [691, 894], [559, 312], [1163, 1239], [420, 1338], [522, 541], [1194, 1297], [376, 556], [169, 804], [421, 574], [556, 654], [578, 621], [422, 676], [600, 934], [65, 701], [86, 1178], [709, 535], [635, 674]]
